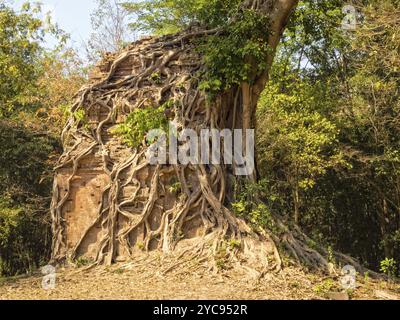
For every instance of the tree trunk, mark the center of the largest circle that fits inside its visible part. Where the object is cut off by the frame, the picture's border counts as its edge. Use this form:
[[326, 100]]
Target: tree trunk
[[296, 202], [110, 204], [384, 219]]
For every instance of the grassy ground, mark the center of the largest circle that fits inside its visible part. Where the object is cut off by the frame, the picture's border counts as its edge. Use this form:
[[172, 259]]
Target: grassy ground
[[150, 281]]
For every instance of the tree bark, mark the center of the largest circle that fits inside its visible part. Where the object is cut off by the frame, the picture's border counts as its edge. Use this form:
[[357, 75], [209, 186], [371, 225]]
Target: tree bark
[[136, 206], [384, 218], [296, 201]]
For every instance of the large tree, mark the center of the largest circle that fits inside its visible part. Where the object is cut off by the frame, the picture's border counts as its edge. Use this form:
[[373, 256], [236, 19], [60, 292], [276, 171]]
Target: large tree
[[208, 75], [31, 81]]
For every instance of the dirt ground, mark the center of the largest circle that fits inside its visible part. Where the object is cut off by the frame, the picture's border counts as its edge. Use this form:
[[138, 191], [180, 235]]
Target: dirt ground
[[148, 281]]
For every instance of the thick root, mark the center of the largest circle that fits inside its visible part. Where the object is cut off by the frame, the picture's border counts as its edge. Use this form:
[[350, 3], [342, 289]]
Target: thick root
[[137, 208]]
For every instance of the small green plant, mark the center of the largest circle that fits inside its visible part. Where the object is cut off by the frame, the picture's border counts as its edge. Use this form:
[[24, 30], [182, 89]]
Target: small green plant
[[252, 209], [350, 293], [258, 216], [140, 245], [221, 264], [331, 255], [234, 244], [155, 77], [80, 117], [366, 276], [389, 267], [119, 271], [221, 256], [138, 123], [83, 261], [312, 244], [211, 86], [175, 188], [181, 85], [324, 287], [239, 208]]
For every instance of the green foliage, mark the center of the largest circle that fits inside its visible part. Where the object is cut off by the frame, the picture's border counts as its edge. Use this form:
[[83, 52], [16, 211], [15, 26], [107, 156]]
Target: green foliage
[[366, 276], [389, 267], [18, 53], [166, 16], [298, 143], [155, 77], [24, 158], [234, 244], [325, 287], [62, 74], [28, 150], [370, 118], [22, 235], [238, 54], [25, 184], [175, 188], [140, 246], [221, 260], [21, 36], [9, 220], [138, 123], [83, 261], [313, 40], [328, 128], [295, 130], [221, 263], [80, 117], [247, 205], [331, 255]]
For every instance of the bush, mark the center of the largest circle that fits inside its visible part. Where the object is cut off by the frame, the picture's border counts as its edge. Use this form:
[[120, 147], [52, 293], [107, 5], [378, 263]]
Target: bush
[[249, 204], [26, 161], [389, 267], [24, 238]]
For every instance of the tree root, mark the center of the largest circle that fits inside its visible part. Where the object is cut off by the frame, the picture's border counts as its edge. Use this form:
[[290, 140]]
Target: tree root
[[195, 223]]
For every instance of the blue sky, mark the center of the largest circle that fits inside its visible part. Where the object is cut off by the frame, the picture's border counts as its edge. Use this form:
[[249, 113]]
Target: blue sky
[[73, 16]]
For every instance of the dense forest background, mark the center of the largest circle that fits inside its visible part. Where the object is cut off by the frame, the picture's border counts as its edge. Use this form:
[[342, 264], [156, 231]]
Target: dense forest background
[[328, 123]]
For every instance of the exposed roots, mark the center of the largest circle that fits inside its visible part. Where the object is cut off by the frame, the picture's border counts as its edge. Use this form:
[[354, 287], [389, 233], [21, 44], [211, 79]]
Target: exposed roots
[[137, 210]]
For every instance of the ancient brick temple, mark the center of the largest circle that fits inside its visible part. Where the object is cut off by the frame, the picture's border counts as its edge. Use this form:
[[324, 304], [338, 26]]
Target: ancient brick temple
[[109, 203], [106, 196]]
